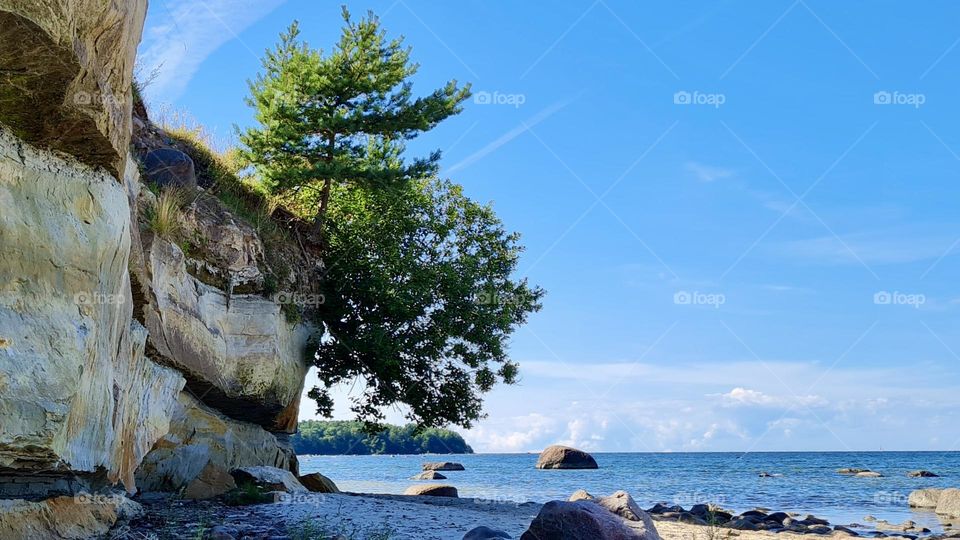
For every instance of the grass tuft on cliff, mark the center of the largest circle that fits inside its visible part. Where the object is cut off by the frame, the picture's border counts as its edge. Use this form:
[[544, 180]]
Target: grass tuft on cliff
[[165, 217]]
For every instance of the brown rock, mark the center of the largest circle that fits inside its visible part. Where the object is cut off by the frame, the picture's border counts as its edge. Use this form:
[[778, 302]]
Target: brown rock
[[212, 481], [269, 478], [434, 490], [83, 516], [442, 466], [318, 483], [564, 457], [585, 520]]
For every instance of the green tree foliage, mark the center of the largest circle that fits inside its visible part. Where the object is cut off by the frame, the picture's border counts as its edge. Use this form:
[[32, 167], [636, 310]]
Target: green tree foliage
[[419, 302], [327, 120], [338, 438]]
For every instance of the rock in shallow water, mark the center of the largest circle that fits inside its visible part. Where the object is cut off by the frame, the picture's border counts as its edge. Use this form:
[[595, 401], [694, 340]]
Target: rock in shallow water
[[428, 475], [442, 466], [564, 457]]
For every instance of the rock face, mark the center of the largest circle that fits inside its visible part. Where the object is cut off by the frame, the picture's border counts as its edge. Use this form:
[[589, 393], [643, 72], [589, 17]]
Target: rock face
[[199, 436], [106, 333], [81, 517], [585, 520], [924, 498], [77, 394], [212, 481], [564, 457], [949, 503], [237, 351], [318, 483], [66, 68], [434, 490]]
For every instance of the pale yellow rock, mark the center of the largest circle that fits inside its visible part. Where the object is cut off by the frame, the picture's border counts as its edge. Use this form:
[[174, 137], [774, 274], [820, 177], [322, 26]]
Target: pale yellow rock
[[239, 353], [67, 518], [78, 394], [200, 436], [66, 68]]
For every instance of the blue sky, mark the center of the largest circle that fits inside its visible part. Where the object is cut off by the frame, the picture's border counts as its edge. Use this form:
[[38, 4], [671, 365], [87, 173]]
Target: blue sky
[[745, 213]]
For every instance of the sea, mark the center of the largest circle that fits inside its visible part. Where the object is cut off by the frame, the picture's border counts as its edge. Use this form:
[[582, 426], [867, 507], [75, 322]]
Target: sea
[[803, 482]]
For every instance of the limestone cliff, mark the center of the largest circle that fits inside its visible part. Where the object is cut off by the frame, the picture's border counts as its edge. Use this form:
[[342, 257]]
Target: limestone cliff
[[125, 363]]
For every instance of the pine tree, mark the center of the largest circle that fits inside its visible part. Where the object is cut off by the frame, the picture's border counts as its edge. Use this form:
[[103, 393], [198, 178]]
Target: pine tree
[[327, 120]]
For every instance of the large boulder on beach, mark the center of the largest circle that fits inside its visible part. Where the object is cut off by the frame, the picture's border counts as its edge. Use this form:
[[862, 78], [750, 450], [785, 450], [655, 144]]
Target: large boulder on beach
[[485, 533], [429, 475], [949, 503], [442, 466], [212, 481], [269, 478], [924, 498], [318, 483], [564, 457], [585, 520], [433, 490]]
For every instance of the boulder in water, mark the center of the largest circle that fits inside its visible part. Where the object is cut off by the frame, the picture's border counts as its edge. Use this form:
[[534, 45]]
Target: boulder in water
[[922, 474], [442, 466], [564, 457], [924, 498], [429, 475], [949, 503]]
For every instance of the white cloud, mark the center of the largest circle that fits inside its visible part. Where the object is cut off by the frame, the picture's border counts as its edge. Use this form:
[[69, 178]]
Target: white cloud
[[747, 397], [885, 246], [181, 34], [708, 173]]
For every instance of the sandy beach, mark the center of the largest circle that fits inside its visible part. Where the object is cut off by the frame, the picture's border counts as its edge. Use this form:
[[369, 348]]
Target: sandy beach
[[393, 517]]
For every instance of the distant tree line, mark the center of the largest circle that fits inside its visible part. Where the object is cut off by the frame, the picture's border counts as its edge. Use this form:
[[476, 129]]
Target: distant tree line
[[342, 437]]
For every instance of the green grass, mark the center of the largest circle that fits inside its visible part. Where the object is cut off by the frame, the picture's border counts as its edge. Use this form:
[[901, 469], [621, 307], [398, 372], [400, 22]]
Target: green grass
[[247, 493], [243, 196], [165, 217]]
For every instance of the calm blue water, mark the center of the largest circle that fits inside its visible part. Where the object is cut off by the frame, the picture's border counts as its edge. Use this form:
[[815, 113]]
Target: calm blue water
[[809, 481]]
